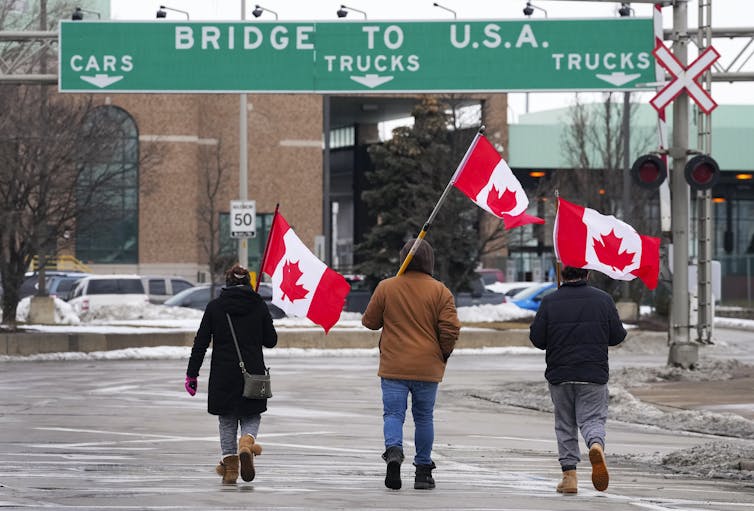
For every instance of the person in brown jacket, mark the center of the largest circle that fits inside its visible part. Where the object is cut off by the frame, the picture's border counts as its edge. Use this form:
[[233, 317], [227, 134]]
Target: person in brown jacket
[[420, 327]]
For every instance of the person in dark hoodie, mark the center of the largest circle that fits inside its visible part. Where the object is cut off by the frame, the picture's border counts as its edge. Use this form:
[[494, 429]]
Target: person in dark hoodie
[[575, 325], [253, 326], [420, 327]]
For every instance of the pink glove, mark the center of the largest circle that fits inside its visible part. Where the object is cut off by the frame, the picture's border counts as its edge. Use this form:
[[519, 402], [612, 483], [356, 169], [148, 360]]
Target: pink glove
[[190, 385]]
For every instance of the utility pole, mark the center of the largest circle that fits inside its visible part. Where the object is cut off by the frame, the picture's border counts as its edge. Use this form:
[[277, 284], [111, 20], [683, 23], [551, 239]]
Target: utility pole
[[682, 351], [42, 230]]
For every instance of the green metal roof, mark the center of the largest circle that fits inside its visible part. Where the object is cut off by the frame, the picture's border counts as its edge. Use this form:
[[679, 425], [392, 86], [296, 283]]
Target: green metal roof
[[536, 140]]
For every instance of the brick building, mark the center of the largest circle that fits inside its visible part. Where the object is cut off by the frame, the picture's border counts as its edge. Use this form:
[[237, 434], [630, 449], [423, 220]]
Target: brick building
[[176, 140]]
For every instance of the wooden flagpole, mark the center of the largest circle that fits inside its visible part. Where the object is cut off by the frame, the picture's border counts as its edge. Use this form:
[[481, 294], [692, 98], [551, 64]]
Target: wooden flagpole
[[432, 216], [266, 247]]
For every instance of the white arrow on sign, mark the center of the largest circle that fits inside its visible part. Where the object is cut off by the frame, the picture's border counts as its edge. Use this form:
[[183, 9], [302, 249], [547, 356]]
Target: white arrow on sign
[[371, 80], [101, 80], [618, 78], [684, 78]]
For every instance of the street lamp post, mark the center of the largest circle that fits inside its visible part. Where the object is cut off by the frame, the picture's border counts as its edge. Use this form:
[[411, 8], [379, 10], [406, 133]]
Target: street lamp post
[[243, 158]]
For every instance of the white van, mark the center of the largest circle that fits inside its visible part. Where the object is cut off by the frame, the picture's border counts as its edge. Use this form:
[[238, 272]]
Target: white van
[[96, 291]]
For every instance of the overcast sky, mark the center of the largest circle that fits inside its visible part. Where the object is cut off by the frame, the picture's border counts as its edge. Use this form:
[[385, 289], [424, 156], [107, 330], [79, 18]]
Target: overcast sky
[[725, 13]]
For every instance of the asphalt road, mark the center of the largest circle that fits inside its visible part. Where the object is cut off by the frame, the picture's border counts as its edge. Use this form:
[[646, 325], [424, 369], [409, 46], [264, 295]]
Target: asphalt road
[[125, 435]]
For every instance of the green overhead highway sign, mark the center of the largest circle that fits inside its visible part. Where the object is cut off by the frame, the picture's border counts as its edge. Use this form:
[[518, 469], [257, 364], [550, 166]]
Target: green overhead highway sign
[[357, 57]]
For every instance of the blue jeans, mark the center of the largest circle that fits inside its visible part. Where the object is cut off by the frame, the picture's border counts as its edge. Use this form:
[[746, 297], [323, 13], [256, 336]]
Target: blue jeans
[[394, 405]]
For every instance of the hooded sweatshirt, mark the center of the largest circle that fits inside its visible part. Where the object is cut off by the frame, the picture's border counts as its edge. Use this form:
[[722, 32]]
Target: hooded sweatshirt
[[418, 318]]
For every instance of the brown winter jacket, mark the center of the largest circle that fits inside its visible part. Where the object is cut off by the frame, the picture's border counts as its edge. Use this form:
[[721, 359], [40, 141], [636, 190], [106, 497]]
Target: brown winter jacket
[[419, 323]]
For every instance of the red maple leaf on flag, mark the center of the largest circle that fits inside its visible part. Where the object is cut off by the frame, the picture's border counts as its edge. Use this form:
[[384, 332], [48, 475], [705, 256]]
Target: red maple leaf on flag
[[289, 286], [500, 204], [608, 251]]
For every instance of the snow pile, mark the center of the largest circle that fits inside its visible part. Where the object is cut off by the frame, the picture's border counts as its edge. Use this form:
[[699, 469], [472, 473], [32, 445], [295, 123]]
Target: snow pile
[[64, 314], [721, 459], [740, 324], [494, 313], [119, 313], [626, 408], [705, 370]]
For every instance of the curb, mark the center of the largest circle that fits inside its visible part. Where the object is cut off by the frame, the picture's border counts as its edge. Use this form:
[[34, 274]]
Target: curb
[[32, 343]]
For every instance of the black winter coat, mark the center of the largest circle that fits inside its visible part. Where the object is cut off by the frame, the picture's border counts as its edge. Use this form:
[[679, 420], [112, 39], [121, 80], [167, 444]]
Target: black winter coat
[[253, 325], [575, 325]]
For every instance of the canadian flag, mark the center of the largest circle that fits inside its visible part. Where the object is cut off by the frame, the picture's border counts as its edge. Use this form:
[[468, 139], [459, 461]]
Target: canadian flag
[[585, 238], [486, 179], [302, 285]]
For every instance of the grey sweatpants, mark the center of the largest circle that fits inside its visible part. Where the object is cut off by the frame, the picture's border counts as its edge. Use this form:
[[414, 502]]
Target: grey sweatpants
[[229, 431], [578, 406]]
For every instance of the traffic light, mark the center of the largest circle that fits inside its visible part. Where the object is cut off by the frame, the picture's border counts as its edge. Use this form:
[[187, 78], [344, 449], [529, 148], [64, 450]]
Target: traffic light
[[649, 171], [702, 172]]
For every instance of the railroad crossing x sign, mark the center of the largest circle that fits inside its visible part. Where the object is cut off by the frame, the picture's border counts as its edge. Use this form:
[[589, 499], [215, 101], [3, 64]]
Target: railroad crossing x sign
[[684, 78]]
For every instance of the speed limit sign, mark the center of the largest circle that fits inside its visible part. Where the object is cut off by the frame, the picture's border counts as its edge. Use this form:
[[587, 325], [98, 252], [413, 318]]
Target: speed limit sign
[[243, 218]]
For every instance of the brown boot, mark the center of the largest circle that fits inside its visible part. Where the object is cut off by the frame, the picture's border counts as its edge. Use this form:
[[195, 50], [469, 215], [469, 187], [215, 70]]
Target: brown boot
[[569, 484], [600, 477], [247, 449], [228, 469]]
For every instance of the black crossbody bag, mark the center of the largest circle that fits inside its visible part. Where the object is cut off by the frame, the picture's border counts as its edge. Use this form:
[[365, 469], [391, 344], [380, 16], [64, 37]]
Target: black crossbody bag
[[255, 386]]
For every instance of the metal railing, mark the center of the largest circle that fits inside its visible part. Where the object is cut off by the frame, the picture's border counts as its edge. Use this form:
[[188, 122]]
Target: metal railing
[[60, 263]]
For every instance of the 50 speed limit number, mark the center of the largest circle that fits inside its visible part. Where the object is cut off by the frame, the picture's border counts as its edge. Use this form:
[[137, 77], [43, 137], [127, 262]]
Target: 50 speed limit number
[[243, 218]]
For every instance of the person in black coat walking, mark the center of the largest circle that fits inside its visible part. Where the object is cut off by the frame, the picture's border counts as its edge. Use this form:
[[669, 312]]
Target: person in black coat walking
[[575, 325], [252, 323]]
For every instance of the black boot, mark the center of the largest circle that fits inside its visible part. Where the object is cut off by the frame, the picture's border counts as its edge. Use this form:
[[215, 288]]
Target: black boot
[[423, 479], [394, 457]]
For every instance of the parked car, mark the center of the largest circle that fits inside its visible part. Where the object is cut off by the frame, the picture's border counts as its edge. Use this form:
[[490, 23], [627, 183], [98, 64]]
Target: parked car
[[62, 286], [96, 291], [160, 287], [358, 297], [197, 297], [30, 284], [530, 298], [491, 275], [479, 295]]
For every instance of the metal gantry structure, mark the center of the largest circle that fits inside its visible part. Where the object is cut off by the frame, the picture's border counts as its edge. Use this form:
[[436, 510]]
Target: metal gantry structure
[[21, 66]]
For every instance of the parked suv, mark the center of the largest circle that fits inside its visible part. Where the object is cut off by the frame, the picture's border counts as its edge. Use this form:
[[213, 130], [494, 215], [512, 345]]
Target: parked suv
[[159, 287], [97, 291]]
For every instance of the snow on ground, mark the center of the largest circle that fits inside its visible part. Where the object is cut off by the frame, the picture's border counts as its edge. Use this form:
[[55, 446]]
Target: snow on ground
[[729, 458], [494, 313]]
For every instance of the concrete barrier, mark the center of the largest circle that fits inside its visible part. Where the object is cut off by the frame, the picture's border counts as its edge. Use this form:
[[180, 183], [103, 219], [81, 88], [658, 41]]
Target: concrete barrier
[[31, 343]]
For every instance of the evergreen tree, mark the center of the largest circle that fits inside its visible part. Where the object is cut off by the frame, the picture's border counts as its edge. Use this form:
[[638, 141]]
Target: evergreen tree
[[411, 172]]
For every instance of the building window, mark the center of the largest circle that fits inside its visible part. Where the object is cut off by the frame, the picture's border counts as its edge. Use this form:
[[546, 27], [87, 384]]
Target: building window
[[229, 246], [109, 232], [343, 137]]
